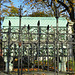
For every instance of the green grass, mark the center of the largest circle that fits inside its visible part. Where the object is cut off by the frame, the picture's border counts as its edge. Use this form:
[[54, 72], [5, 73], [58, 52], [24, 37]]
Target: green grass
[[74, 66]]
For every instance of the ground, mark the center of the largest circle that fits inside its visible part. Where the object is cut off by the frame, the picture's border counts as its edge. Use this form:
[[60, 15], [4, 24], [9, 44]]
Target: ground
[[42, 73]]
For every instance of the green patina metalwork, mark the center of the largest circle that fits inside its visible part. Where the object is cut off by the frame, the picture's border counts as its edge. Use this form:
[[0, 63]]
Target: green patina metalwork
[[32, 21], [36, 37]]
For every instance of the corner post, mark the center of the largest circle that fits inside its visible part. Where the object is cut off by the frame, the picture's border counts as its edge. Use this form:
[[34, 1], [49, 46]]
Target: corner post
[[57, 38], [0, 40], [8, 54], [38, 41]]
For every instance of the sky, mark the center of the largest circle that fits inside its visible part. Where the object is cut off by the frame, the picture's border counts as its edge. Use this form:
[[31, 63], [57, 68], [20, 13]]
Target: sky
[[28, 9], [17, 2]]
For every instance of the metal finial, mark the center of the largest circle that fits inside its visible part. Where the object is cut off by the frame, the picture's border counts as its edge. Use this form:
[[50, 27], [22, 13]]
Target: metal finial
[[57, 13], [43, 0], [48, 27], [20, 11], [67, 24], [0, 22], [9, 23], [38, 23], [28, 27], [35, 0]]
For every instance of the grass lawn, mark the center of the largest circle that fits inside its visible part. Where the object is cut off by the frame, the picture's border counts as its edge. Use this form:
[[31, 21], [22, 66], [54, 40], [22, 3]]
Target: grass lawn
[[74, 66]]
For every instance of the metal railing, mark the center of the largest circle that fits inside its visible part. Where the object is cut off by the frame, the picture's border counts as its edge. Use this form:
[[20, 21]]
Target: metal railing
[[36, 50]]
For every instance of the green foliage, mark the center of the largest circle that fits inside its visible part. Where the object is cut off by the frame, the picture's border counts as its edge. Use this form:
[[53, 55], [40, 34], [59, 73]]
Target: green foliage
[[13, 11], [71, 64], [65, 5], [38, 14], [7, 9]]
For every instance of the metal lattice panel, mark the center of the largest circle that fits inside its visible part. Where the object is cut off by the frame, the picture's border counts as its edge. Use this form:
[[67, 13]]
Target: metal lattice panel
[[36, 47]]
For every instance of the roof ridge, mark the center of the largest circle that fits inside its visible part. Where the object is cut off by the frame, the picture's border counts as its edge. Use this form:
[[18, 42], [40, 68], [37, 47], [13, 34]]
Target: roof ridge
[[32, 21], [45, 18]]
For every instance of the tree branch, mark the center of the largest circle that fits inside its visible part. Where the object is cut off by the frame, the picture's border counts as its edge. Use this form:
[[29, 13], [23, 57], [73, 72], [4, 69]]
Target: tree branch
[[67, 8]]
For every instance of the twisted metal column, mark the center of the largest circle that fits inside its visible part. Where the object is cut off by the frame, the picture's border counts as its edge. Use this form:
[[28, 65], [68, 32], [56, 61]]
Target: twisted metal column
[[38, 42], [28, 48], [19, 40], [47, 47], [8, 55], [57, 39]]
